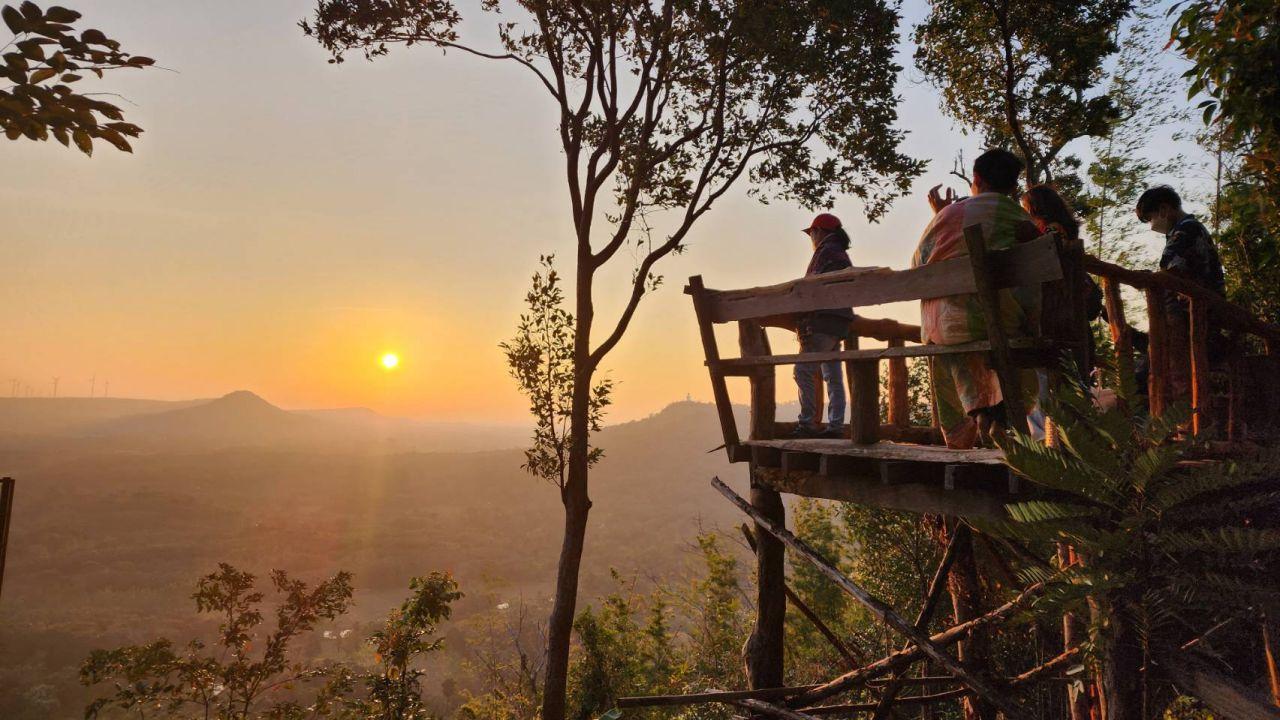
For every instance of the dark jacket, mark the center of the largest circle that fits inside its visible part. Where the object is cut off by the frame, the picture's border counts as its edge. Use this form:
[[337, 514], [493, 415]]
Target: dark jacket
[[829, 256], [1189, 251]]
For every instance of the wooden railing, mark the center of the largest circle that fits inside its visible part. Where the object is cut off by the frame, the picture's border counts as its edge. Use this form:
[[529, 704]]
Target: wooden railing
[[1041, 261], [1206, 310]]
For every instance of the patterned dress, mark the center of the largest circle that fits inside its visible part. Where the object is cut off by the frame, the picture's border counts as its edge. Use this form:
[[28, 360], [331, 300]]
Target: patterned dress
[[965, 383]]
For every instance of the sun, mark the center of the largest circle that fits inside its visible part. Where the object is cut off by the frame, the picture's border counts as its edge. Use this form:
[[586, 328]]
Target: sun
[[390, 361]]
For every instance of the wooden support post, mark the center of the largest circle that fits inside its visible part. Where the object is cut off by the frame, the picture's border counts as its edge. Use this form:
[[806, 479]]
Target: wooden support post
[[1157, 352], [1200, 395], [753, 341], [1270, 654], [877, 608], [1120, 336], [899, 410], [719, 390], [989, 300], [6, 516], [936, 586], [1073, 633], [799, 604], [764, 648], [864, 400], [966, 603]]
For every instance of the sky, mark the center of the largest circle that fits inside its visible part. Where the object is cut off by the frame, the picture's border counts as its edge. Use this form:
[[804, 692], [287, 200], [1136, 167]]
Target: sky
[[284, 222]]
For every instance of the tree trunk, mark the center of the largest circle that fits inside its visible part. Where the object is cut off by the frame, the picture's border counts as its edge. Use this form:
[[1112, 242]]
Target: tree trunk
[[1122, 676], [577, 504], [966, 602]]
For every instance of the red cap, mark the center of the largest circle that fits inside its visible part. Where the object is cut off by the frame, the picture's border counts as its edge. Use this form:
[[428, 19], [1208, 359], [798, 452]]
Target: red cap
[[825, 221]]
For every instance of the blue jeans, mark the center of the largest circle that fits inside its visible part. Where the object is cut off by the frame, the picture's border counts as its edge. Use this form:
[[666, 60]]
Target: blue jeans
[[806, 375]]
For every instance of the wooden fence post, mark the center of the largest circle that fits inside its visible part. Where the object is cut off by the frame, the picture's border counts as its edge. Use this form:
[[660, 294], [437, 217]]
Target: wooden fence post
[[1200, 394], [6, 515], [989, 299], [719, 390], [1120, 336], [899, 411], [1157, 352], [752, 342]]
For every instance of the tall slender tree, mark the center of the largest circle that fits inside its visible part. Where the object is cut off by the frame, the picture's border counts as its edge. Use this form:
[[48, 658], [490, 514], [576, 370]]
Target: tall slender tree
[[1023, 74], [664, 106]]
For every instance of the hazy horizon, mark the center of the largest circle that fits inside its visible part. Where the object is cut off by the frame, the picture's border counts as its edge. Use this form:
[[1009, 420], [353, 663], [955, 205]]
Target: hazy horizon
[[284, 222]]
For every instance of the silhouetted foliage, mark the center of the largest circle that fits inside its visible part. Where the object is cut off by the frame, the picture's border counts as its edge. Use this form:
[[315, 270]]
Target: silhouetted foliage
[[48, 60], [1022, 72], [249, 674], [540, 358]]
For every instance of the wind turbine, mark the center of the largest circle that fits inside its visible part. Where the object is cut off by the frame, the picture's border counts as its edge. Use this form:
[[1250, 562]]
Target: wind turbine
[[55, 386], [106, 388], [14, 384], [93, 385]]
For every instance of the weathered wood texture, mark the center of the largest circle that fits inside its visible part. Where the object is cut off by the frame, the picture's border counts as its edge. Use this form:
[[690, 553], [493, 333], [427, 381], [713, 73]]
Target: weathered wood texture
[[7, 486], [899, 414], [1121, 338], [986, 288], [936, 585], [885, 450], [719, 390], [753, 342], [764, 647], [983, 688], [1157, 351], [799, 604], [1231, 315], [1223, 695], [1031, 347], [864, 400], [1200, 391], [1026, 264]]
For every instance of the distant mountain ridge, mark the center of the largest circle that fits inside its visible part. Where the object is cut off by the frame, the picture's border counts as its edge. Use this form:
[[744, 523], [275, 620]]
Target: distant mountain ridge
[[238, 419]]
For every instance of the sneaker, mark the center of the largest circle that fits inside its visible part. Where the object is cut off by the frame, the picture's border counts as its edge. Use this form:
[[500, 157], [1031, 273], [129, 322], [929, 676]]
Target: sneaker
[[834, 433], [805, 432]]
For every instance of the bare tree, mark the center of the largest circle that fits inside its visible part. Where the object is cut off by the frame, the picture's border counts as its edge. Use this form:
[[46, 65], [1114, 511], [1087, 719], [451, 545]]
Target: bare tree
[[664, 105]]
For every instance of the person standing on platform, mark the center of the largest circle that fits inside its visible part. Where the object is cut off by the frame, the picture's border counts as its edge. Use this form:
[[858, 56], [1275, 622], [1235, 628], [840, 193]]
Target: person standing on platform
[[1189, 253], [965, 387], [823, 331]]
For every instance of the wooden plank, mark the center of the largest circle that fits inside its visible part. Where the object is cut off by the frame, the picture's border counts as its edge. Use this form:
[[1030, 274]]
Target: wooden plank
[[899, 412], [753, 341], [761, 707], [764, 649], [989, 301], [1157, 352], [719, 390], [710, 696], [1025, 264], [903, 658], [739, 453], [1019, 344], [848, 654], [884, 329], [967, 476], [844, 466], [1229, 313], [864, 401], [1225, 696], [921, 497], [884, 450], [936, 585], [886, 614], [1120, 336], [1200, 393], [901, 472], [765, 455], [794, 461], [7, 486]]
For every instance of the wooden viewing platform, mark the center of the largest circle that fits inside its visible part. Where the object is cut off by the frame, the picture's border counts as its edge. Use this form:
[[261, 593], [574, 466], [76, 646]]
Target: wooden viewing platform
[[890, 463]]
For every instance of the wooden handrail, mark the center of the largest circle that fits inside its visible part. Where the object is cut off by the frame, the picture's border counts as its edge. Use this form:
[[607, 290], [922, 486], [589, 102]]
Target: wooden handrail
[[1221, 308]]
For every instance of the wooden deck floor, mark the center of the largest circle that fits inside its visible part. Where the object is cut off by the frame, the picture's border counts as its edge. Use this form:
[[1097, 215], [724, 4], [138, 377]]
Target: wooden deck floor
[[884, 450], [901, 476]]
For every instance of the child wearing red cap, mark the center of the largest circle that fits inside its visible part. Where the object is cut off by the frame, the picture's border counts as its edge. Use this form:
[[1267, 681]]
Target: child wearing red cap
[[823, 331]]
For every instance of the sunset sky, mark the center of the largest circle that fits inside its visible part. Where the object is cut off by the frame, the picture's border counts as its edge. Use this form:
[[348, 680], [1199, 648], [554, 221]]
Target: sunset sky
[[284, 223]]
